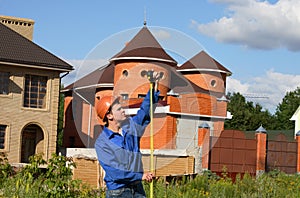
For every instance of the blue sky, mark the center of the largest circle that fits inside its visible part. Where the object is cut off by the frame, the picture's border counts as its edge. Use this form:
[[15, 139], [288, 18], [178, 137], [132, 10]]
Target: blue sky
[[258, 41]]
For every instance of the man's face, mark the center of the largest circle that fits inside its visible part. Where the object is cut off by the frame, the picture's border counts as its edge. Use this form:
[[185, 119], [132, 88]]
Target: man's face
[[118, 113]]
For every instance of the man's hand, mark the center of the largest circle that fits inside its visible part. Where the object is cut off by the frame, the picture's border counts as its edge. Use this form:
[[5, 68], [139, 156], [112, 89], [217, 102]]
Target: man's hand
[[147, 177]]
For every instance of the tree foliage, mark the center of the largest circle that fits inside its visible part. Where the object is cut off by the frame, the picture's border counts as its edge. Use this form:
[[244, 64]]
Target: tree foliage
[[246, 115], [249, 116], [286, 109], [60, 129]]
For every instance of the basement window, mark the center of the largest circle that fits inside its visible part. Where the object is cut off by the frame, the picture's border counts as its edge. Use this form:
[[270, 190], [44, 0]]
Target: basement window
[[35, 91]]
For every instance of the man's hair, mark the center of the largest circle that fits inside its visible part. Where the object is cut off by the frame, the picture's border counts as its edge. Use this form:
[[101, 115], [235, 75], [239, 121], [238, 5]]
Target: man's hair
[[116, 101]]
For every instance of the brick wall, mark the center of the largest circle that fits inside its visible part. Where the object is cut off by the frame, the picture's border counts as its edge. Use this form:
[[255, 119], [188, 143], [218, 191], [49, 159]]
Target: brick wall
[[209, 81], [164, 133], [282, 154], [134, 83], [20, 25], [89, 171], [170, 165], [16, 117], [235, 152], [195, 103]]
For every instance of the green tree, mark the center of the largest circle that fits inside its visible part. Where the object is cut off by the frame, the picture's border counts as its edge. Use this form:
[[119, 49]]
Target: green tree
[[239, 109], [60, 129], [246, 115], [286, 109]]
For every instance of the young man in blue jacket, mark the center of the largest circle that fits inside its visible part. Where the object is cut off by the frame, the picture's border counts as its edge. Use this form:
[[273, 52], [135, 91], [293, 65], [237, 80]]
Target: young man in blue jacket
[[118, 146]]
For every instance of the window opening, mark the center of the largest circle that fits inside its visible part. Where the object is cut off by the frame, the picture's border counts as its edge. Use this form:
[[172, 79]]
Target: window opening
[[4, 83], [2, 136], [35, 91]]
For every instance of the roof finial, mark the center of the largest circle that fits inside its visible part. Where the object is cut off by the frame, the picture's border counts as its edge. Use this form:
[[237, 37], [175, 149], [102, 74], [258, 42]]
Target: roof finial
[[145, 20]]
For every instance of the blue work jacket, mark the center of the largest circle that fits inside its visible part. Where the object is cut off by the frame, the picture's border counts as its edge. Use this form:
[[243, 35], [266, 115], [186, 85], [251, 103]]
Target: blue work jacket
[[119, 154]]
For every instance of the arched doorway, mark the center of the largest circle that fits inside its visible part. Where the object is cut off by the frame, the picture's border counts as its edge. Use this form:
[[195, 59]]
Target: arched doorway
[[32, 142]]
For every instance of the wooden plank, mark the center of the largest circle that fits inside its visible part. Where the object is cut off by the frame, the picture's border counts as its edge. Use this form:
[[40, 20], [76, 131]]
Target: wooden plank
[[170, 165]]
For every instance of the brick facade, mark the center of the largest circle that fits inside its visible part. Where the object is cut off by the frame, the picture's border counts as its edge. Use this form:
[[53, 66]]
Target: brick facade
[[133, 83], [187, 99], [20, 25], [29, 95], [18, 118], [191, 96]]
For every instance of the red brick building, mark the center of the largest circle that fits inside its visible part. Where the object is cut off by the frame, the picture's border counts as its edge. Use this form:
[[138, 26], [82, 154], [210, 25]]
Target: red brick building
[[189, 134], [191, 95]]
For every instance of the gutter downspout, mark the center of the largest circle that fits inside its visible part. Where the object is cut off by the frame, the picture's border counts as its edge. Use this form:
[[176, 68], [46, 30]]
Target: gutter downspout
[[58, 112], [64, 75]]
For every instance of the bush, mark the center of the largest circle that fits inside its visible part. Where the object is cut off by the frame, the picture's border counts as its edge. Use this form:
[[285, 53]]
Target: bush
[[52, 180], [6, 169], [273, 184]]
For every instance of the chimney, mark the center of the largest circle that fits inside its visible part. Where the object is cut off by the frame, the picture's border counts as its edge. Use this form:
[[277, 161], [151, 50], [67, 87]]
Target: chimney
[[20, 25]]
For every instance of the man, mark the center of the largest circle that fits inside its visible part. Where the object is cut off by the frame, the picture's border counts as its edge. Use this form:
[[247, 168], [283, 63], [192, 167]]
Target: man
[[118, 146]]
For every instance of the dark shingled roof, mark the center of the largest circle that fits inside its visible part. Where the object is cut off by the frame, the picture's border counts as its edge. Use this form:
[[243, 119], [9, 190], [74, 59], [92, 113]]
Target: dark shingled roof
[[182, 85], [144, 46], [102, 75], [203, 62], [14, 48], [86, 87]]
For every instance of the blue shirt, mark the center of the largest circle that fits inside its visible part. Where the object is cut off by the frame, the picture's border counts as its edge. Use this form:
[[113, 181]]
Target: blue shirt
[[119, 154]]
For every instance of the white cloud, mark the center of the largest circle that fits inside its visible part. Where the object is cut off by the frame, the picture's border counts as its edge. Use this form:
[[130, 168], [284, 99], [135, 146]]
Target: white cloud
[[257, 24], [82, 68], [161, 34], [234, 86], [233, 2], [267, 90]]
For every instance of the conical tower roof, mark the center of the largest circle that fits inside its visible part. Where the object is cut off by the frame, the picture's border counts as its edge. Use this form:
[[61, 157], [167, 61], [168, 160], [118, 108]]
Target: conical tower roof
[[144, 46], [203, 62]]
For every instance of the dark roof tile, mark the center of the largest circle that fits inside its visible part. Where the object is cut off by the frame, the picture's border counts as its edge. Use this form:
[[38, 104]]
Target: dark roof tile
[[182, 85], [144, 46], [102, 75], [14, 48], [203, 62]]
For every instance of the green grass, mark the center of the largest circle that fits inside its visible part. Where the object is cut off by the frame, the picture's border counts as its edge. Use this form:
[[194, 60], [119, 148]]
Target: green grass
[[56, 181], [273, 184]]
